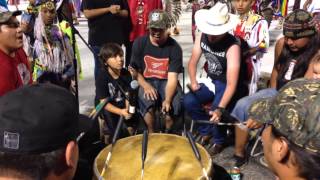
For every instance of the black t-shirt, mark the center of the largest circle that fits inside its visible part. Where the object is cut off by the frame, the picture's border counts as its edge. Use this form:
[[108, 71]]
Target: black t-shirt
[[215, 54], [107, 27], [106, 87], [155, 62]]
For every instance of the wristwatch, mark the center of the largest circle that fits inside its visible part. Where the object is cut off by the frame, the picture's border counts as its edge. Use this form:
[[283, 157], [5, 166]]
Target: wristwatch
[[221, 109]]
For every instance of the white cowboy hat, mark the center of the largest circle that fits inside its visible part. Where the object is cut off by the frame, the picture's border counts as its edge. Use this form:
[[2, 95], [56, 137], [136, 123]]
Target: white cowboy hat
[[216, 20]]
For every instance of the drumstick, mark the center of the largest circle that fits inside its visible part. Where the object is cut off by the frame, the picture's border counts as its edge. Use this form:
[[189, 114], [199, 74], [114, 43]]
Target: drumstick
[[196, 153], [114, 139], [116, 132], [219, 123], [96, 111], [144, 150]]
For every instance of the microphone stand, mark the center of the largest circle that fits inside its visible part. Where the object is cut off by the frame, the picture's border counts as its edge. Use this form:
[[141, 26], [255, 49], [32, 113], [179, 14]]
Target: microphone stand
[[196, 153], [144, 151], [114, 140], [75, 31], [75, 63]]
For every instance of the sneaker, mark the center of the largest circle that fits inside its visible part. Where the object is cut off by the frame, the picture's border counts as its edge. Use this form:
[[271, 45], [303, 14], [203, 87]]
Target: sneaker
[[263, 161], [239, 160]]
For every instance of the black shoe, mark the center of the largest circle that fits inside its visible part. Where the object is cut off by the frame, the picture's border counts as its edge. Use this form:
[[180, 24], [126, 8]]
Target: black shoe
[[216, 149], [239, 160], [205, 140]]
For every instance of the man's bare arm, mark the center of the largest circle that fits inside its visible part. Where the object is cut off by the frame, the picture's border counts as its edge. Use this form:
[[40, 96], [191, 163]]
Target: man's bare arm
[[193, 62]]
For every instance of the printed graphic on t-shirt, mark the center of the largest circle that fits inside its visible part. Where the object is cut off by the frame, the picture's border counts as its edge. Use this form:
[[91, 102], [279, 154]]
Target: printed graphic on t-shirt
[[243, 31], [24, 73], [214, 66], [156, 67], [113, 93]]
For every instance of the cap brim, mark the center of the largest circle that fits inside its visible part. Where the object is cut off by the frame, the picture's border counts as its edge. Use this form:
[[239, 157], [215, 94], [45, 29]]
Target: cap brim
[[156, 27], [16, 13], [8, 14], [201, 22], [260, 110]]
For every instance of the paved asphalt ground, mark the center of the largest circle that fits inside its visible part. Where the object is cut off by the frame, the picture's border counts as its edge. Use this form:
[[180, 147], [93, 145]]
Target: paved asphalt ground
[[250, 171]]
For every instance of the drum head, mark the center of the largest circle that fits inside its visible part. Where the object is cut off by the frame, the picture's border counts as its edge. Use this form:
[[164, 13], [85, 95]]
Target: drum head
[[168, 157]]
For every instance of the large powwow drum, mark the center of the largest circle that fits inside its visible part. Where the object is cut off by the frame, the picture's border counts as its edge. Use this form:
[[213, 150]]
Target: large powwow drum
[[168, 157]]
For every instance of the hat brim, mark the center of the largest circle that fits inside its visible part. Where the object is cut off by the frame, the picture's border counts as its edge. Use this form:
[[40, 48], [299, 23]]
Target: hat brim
[[201, 22], [7, 15], [16, 13], [157, 27], [260, 110]]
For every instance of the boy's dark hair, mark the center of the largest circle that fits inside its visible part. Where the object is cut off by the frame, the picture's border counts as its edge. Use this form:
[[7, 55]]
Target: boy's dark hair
[[36, 166], [109, 50]]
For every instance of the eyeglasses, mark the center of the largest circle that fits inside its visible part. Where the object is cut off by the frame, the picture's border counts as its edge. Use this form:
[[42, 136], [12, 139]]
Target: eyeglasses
[[11, 24]]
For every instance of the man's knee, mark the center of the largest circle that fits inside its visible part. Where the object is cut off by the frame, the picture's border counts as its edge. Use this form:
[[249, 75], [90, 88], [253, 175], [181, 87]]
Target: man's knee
[[189, 101], [242, 104]]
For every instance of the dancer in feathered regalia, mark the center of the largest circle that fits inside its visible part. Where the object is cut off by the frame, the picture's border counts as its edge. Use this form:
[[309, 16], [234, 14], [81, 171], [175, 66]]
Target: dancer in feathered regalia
[[53, 53]]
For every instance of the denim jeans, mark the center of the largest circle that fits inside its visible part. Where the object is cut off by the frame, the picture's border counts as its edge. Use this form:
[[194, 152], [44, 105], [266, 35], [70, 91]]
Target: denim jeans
[[240, 111], [160, 86], [97, 63], [193, 104]]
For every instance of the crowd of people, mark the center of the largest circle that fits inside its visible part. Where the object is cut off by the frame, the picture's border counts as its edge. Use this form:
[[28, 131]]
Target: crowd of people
[[131, 43]]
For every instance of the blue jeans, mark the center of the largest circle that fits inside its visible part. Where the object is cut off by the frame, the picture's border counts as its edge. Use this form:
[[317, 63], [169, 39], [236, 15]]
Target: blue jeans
[[160, 86], [240, 111], [193, 102], [97, 63]]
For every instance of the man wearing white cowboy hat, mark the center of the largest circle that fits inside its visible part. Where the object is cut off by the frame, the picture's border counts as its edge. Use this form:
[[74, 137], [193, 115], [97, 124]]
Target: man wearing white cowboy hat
[[222, 53]]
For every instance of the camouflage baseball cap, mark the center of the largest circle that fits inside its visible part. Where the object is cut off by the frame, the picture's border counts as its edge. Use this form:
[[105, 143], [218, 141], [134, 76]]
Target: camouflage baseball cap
[[159, 19], [5, 15], [294, 112], [299, 24]]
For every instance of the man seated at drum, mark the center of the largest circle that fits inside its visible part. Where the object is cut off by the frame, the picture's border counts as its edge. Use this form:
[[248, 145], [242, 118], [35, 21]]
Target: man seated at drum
[[222, 53], [291, 130], [39, 127], [158, 60]]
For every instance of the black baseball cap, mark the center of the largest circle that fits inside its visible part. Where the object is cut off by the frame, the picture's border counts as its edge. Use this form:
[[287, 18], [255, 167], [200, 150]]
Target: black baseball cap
[[38, 119]]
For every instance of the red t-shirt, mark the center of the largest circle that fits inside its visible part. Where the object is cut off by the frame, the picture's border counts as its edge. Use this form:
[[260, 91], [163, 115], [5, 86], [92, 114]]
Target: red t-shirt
[[14, 72], [139, 12]]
